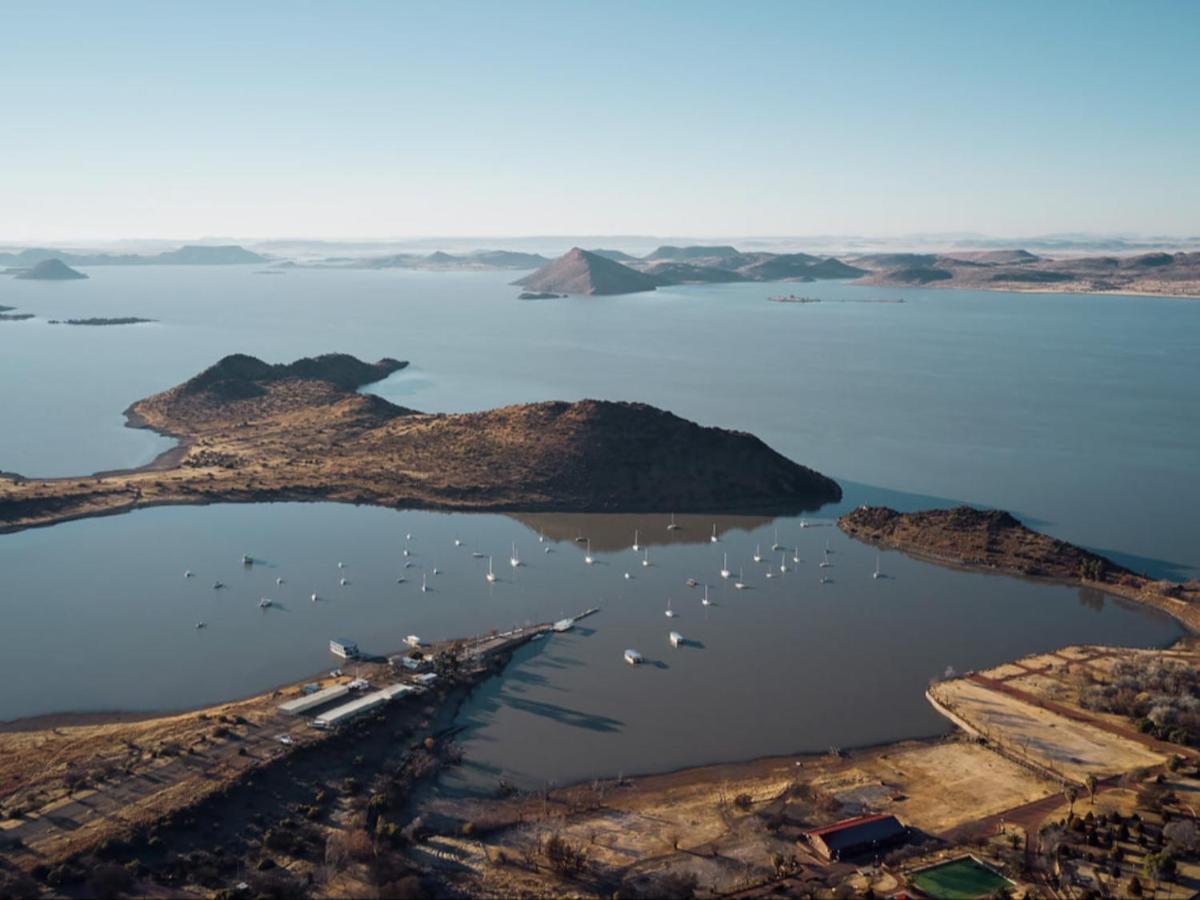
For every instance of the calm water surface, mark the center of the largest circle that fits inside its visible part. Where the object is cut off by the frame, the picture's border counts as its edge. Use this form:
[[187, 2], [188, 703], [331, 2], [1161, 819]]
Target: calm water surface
[[1079, 413], [99, 616]]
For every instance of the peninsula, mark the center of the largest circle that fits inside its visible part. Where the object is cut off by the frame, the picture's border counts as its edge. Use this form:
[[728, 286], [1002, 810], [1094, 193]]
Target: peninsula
[[250, 431], [996, 541]]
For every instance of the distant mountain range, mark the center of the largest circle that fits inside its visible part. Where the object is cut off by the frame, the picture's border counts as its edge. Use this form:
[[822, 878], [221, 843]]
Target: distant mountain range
[[188, 255], [582, 271], [1171, 274]]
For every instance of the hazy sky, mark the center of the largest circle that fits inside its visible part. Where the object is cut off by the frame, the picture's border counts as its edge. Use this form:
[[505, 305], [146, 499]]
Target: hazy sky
[[359, 119]]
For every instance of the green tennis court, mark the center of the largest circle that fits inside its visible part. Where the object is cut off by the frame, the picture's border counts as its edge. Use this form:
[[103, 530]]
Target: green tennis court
[[959, 879]]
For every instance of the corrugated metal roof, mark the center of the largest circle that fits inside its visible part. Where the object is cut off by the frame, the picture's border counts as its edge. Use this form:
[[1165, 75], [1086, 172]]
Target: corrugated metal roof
[[313, 700], [859, 831]]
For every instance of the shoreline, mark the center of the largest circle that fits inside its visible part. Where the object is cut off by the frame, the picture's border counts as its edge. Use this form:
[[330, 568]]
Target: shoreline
[[943, 286]]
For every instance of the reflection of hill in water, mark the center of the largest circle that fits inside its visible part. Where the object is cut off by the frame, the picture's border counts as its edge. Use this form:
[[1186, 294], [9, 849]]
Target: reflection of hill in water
[[609, 532]]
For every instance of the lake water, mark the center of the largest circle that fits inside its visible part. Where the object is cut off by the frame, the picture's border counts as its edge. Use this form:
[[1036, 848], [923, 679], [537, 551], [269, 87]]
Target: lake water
[[99, 616], [1080, 414]]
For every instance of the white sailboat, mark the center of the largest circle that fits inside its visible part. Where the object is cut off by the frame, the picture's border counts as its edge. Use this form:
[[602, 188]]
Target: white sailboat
[[825, 563], [796, 555], [725, 573], [740, 584], [705, 601], [424, 584], [646, 557], [878, 574], [671, 526], [758, 553], [777, 545], [490, 576], [670, 613], [514, 560], [714, 537], [783, 562], [636, 548], [588, 556]]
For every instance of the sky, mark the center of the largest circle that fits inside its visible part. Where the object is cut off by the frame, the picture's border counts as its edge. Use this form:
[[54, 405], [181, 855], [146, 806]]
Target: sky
[[399, 119]]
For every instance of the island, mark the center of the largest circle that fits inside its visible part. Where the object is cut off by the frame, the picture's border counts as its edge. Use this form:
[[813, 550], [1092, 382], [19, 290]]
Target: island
[[580, 272], [51, 270], [187, 255], [120, 320], [250, 431], [993, 540]]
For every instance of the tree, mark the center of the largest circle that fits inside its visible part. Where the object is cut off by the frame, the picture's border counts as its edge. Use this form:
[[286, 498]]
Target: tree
[[1092, 783], [448, 663], [1180, 836], [1152, 867], [1071, 793]]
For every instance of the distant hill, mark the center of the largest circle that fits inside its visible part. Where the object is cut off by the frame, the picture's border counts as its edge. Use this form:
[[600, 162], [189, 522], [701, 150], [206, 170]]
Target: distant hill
[[798, 265], [51, 270], [995, 257], [191, 255], [619, 255], [668, 272], [1171, 274], [509, 259], [201, 255], [579, 272], [681, 254], [442, 261]]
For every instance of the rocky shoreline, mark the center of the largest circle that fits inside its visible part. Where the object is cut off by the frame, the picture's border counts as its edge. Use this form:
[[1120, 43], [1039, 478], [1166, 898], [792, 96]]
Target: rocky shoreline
[[995, 541]]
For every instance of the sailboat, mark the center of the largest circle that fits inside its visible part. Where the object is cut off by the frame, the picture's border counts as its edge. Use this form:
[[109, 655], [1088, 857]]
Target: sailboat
[[758, 552], [714, 537], [671, 526], [706, 601], [804, 523], [782, 562], [725, 573], [490, 576], [796, 555], [635, 541], [424, 584], [541, 537], [670, 613], [740, 584], [646, 557], [825, 563], [777, 545], [404, 552], [588, 556], [457, 542], [514, 560], [878, 574]]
